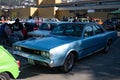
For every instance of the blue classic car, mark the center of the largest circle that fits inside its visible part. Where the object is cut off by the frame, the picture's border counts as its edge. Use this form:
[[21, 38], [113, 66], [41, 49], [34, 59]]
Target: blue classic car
[[67, 43]]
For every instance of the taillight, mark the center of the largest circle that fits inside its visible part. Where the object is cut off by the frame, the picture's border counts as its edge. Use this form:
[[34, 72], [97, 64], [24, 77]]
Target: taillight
[[18, 62]]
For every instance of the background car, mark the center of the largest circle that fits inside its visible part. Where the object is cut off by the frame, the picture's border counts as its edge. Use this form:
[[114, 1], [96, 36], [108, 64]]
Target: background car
[[44, 30], [112, 24], [83, 19], [109, 25], [9, 67], [67, 43], [116, 21]]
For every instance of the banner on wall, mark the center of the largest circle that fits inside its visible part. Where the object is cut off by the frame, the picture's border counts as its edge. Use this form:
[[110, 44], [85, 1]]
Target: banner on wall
[[91, 11]]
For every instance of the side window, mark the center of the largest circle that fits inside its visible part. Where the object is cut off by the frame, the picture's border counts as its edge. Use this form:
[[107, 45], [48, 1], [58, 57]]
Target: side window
[[98, 29], [78, 29], [88, 31]]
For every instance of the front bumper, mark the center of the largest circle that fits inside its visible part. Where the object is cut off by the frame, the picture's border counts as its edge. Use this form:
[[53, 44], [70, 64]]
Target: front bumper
[[36, 58]]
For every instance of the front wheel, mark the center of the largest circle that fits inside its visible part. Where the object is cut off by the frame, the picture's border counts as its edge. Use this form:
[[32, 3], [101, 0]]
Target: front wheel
[[68, 64], [4, 76]]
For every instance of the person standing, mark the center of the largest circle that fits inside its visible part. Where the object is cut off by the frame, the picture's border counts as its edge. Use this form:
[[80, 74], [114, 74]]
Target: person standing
[[17, 29], [5, 32], [29, 24], [76, 19]]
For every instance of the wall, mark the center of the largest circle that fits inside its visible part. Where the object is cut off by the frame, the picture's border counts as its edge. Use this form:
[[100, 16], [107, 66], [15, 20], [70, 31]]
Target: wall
[[43, 2], [46, 12], [0, 12], [34, 11], [58, 1], [48, 1], [61, 13], [39, 2], [23, 12]]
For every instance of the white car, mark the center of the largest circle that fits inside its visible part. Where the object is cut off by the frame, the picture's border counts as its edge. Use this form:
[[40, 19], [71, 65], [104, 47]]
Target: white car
[[44, 30]]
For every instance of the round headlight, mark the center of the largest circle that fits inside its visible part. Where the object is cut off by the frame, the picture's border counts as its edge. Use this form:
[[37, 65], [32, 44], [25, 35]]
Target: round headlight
[[45, 54], [37, 52], [48, 55], [17, 48]]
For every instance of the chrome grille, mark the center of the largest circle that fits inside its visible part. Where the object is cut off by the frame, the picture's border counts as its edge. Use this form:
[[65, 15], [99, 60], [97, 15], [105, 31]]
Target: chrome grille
[[30, 51]]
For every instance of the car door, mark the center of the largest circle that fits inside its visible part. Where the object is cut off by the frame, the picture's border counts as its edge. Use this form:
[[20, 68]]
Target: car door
[[99, 33], [88, 42]]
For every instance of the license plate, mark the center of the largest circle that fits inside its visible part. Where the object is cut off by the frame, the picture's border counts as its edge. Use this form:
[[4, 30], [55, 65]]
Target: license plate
[[30, 61]]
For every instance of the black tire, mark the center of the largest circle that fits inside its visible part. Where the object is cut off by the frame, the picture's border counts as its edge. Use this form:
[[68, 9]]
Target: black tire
[[68, 64], [107, 46], [4, 76]]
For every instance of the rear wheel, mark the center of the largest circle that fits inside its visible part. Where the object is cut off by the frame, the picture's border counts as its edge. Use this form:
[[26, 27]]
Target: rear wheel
[[4, 76], [68, 64], [107, 47]]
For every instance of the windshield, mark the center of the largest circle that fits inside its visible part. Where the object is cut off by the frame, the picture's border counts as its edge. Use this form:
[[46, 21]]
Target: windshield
[[68, 29]]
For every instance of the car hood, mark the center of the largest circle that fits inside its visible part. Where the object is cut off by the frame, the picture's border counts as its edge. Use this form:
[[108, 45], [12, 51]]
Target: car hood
[[46, 43], [39, 33]]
